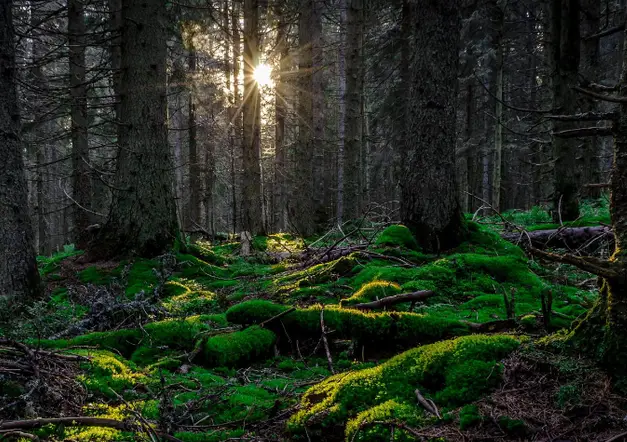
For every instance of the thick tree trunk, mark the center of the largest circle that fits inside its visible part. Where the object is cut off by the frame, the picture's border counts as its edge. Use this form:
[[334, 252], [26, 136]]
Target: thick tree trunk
[[81, 181], [565, 39], [143, 219], [18, 269], [429, 204], [353, 124], [252, 216]]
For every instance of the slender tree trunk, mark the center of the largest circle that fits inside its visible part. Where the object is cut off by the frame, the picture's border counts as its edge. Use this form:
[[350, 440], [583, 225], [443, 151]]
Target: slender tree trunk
[[280, 112], [18, 269], [143, 219], [498, 21], [81, 182], [565, 38], [341, 129], [236, 123], [194, 166], [353, 116], [252, 214], [429, 204], [115, 28], [590, 165], [321, 213]]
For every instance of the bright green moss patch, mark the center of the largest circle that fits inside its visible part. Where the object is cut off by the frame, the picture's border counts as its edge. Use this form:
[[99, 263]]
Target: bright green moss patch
[[210, 436], [365, 428], [49, 264], [238, 348], [107, 371], [95, 275], [375, 330], [397, 236], [451, 372], [371, 292]]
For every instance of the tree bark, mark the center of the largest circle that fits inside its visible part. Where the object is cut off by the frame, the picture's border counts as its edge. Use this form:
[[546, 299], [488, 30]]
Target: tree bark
[[19, 277], [280, 112], [252, 214], [429, 204], [143, 218], [565, 56], [81, 180], [353, 116], [341, 118]]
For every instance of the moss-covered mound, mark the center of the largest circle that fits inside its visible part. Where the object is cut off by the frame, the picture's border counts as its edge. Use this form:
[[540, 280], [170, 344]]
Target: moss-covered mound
[[397, 236], [238, 348], [452, 373], [374, 330], [372, 291]]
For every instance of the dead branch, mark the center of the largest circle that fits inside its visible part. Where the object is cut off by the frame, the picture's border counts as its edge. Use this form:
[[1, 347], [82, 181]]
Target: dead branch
[[587, 116], [325, 342], [584, 132], [420, 295], [603, 97], [275, 317], [596, 266], [492, 326], [572, 238], [427, 404]]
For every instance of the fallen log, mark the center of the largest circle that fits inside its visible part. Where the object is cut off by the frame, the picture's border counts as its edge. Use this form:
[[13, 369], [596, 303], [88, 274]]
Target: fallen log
[[420, 295], [572, 238]]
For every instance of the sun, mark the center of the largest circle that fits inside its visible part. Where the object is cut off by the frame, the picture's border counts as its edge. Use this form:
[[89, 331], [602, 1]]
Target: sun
[[263, 75]]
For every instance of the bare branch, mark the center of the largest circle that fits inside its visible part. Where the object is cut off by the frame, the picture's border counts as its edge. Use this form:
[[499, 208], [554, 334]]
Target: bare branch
[[420, 295], [587, 116], [603, 97], [584, 132], [599, 267]]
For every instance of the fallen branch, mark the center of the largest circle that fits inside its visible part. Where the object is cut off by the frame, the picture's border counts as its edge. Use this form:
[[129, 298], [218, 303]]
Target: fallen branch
[[427, 404], [492, 326], [420, 295], [572, 238], [325, 342], [274, 318], [584, 132], [596, 266], [79, 421]]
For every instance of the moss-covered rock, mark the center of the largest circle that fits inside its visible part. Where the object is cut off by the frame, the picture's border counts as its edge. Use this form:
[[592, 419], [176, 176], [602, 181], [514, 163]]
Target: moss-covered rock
[[451, 372], [238, 348]]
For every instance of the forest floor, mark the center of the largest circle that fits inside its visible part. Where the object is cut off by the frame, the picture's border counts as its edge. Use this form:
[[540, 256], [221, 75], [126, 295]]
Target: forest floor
[[291, 343]]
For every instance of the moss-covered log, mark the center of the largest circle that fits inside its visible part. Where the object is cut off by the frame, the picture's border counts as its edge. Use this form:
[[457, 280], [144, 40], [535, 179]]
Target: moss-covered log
[[378, 330], [237, 349]]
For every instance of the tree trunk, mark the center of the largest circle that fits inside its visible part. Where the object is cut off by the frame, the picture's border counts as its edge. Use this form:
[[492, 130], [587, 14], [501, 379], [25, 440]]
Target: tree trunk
[[565, 39], [429, 204], [81, 182], [301, 203], [143, 219], [280, 113], [498, 21], [236, 123], [353, 116], [194, 166], [18, 269], [252, 216], [341, 118]]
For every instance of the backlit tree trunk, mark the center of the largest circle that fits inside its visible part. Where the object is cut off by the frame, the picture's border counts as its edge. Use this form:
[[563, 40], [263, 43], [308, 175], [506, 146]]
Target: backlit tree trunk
[[429, 204], [18, 269], [143, 218], [252, 220]]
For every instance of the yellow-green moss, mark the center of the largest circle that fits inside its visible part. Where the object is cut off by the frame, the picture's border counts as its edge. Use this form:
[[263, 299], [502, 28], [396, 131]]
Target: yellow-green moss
[[372, 291], [452, 372]]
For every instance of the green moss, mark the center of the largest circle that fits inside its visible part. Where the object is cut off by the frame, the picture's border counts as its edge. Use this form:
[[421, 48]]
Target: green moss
[[446, 371], [397, 236], [372, 291], [192, 302], [49, 264], [238, 348], [513, 427], [366, 427], [95, 275], [107, 371], [387, 330], [469, 416]]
